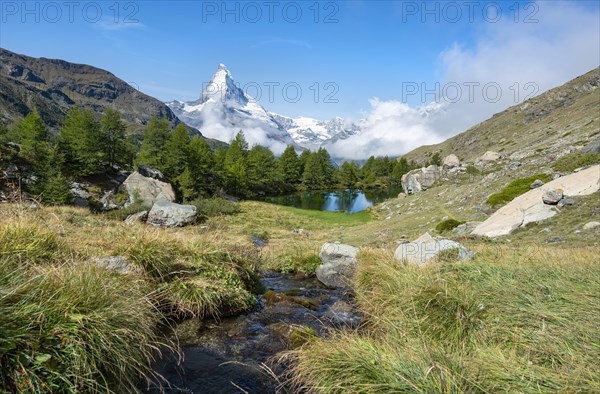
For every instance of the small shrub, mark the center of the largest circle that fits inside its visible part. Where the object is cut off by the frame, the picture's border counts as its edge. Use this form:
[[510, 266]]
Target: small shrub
[[514, 189], [215, 206], [448, 225], [123, 213], [572, 161]]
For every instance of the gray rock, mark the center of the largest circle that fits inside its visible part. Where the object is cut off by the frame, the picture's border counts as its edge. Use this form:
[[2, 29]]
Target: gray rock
[[150, 172], [14, 146], [513, 166], [451, 161], [424, 249], [80, 193], [592, 147], [465, 228], [591, 225], [537, 183], [420, 179], [147, 190], [106, 201], [554, 240], [169, 214], [566, 201], [11, 172], [552, 196], [301, 231], [338, 264], [490, 156], [119, 264], [137, 217]]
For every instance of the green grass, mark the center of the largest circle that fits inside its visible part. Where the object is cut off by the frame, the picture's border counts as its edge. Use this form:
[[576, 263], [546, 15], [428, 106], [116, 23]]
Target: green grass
[[68, 326], [572, 161], [332, 218], [73, 328], [514, 189], [512, 320], [447, 225]]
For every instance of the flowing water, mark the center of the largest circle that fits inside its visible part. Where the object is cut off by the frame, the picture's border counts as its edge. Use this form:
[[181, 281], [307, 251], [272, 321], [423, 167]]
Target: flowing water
[[227, 355], [349, 201]]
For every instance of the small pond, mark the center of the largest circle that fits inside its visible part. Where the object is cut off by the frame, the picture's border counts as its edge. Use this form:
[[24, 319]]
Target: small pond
[[349, 201]]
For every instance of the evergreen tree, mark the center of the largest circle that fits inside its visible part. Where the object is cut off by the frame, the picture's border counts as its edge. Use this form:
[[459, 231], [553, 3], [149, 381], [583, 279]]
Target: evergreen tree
[[400, 168], [219, 165], [32, 134], [436, 159], [235, 166], [200, 168], [348, 174], [261, 170], [176, 152], [156, 136], [327, 170], [303, 159], [290, 167], [79, 141], [50, 183], [115, 148]]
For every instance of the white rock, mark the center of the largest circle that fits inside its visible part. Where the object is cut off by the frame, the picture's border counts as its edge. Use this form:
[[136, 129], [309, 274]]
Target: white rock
[[490, 156], [339, 262], [529, 207], [425, 248], [451, 161], [591, 225]]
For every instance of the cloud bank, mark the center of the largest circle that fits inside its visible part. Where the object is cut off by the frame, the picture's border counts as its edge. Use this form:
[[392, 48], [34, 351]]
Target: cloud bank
[[509, 61]]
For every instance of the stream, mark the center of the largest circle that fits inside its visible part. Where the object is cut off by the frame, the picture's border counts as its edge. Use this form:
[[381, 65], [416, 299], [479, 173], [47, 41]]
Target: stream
[[226, 355]]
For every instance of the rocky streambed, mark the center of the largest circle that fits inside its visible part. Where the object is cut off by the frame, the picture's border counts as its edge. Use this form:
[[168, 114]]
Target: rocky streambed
[[228, 355]]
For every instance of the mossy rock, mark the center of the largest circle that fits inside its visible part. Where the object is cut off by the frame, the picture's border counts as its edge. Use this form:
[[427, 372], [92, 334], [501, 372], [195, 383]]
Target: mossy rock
[[448, 225]]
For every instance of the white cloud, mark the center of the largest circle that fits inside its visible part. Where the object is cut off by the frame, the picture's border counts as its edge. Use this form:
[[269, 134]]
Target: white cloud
[[563, 44]]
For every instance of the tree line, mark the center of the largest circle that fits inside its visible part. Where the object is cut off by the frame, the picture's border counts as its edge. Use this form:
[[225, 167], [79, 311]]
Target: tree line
[[87, 146]]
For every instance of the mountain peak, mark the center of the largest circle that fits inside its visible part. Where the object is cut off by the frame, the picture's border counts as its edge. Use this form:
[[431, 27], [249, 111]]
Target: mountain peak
[[222, 67]]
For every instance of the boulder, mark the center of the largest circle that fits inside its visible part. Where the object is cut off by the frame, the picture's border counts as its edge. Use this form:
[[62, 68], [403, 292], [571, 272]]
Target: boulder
[[490, 156], [451, 161], [552, 196], [338, 264], [425, 248], [465, 228], [119, 264], [168, 214], [529, 207], [401, 196], [137, 217], [147, 190], [80, 193], [592, 147], [150, 172], [566, 201], [420, 179], [591, 225], [537, 183], [14, 146]]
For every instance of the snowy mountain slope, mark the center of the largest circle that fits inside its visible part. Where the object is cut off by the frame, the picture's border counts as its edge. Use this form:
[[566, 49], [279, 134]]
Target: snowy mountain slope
[[223, 109]]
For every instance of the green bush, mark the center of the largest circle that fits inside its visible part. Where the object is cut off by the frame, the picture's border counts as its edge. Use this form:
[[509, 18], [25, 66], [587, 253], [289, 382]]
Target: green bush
[[123, 213], [447, 225], [575, 160], [514, 189], [215, 206]]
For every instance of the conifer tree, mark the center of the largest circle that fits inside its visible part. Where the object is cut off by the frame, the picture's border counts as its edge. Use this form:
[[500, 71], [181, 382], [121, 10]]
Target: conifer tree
[[114, 146], [289, 166], [176, 152], [79, 141], [156, 136], [236, 166]]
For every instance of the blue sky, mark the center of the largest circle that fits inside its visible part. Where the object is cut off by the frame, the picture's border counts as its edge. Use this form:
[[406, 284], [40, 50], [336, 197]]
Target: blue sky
[[368, 49]]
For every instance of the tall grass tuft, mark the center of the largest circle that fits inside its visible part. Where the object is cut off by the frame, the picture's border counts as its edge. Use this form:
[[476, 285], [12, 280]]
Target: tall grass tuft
[[512, 320], [73, 328]]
